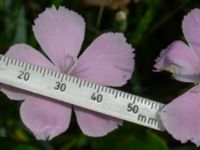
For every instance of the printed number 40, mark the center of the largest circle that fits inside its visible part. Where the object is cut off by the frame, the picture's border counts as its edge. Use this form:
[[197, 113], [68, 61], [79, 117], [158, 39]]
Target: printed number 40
[[97, 97]]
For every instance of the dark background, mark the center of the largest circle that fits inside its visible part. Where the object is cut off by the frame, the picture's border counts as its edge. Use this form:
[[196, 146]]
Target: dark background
[[150, 26]]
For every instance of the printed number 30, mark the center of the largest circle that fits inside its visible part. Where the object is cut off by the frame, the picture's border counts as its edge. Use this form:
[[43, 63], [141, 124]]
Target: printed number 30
[[60, 86]]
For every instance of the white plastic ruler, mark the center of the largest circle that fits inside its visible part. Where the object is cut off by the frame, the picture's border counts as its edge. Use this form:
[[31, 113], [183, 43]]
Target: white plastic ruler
[[79, 92]]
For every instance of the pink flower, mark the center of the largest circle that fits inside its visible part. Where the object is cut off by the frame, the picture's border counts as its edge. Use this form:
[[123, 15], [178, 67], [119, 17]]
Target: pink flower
[[108, 61], [181, 116]]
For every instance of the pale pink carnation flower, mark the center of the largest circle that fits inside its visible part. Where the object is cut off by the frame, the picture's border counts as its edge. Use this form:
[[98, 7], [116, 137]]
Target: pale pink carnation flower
[[107, 61], [181, 116]]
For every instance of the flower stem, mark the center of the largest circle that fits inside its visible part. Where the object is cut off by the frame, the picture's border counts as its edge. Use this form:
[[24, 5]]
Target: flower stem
[[99, 18]]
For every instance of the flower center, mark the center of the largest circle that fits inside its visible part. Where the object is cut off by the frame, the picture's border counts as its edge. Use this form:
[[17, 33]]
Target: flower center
[[172, 69], [69, 64]]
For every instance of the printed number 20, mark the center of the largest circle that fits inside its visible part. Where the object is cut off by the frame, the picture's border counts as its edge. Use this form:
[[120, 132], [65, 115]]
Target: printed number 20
[[24, 75]]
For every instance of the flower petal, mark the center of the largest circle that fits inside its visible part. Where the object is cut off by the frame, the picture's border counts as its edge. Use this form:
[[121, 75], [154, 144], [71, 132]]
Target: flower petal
[[30, 55], [14, 93], [45, 117], [181, 116], [181, 60], [108, 60], [191, 30], [95, 124], [60, 34]]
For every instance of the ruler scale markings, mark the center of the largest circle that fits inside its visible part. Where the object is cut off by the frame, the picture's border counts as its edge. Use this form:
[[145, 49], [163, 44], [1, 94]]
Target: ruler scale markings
[[15, 63], [145, 101], [123, 94], [113, 91], [30, 66], [106, 89], [69, 79], [116, 94], [110, 90], [18, 63], [152, 104], [127, 96], [73, 80], [139, 100], [4, 58], [98, 88], [33, 67], [44, 71], [136, 99], [95, 86], [127, 106], [7, 62], [77, 81], [160, 106], [91, 85], [25, 67], [51, 73], [83, 84], [55, 74], [48, 71], [22, 64], [88, 84], [120, 93], [59, 74], [101, 88], [156, 105], [11, 62], [148, 102], [131, 97], [40, 70], [37, 68], [80, 83]]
